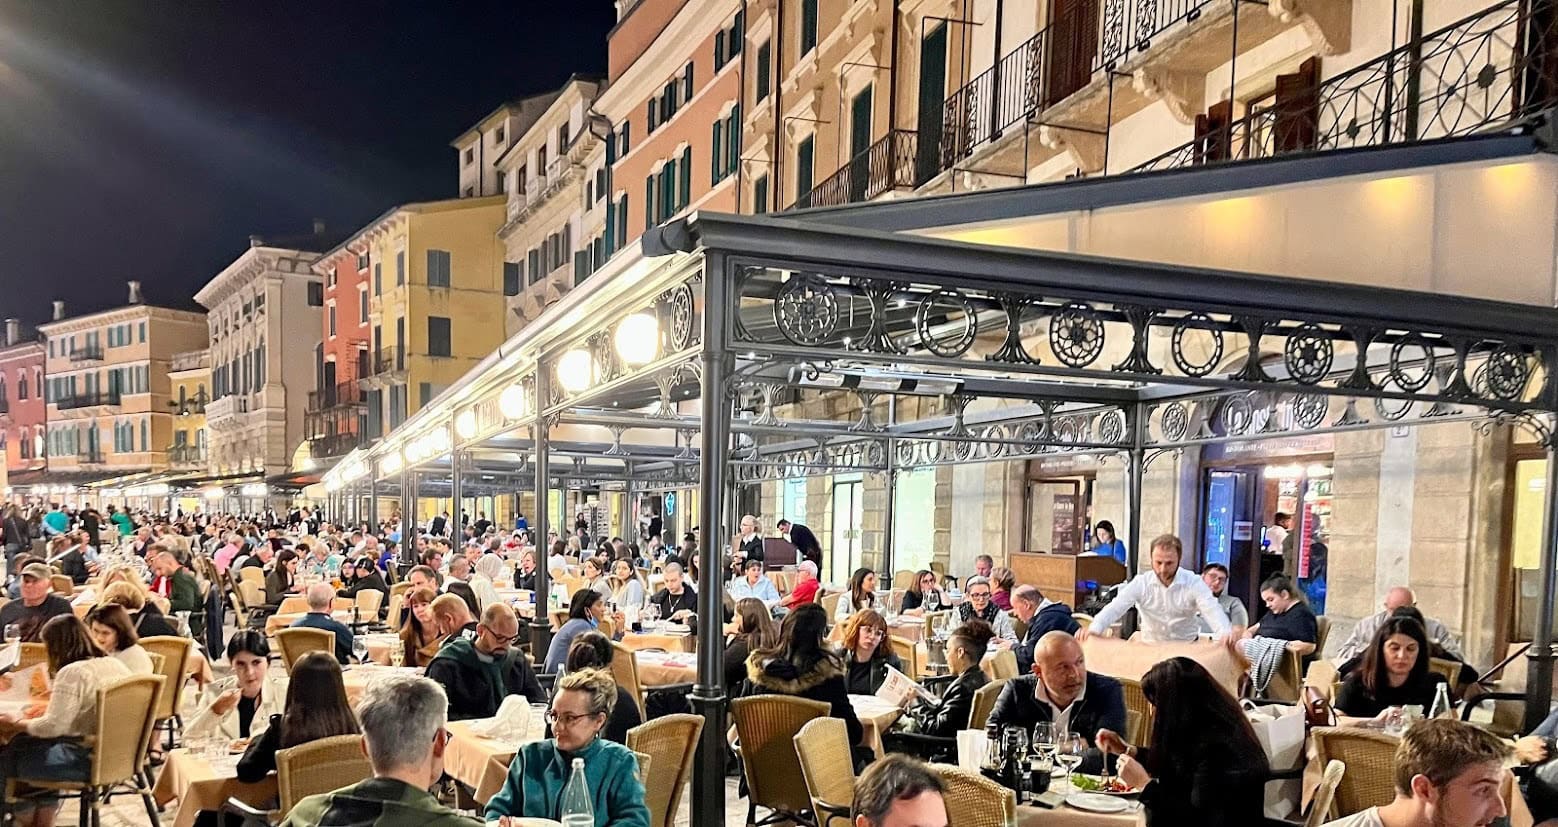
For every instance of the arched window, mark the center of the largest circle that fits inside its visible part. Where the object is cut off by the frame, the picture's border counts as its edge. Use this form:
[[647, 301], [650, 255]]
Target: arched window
[[21, 384]]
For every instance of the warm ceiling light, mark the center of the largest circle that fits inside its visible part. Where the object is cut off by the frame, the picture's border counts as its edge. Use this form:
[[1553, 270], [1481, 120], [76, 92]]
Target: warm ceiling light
[[638, 339], [511, 403], [576, 370], [465, 424]]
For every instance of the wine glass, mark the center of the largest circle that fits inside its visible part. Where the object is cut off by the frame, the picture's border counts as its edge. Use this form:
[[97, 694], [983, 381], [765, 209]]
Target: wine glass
[[1044, 740], [360, 649], [932, 601], [13, 633], [1069, 749], [1014, 742]]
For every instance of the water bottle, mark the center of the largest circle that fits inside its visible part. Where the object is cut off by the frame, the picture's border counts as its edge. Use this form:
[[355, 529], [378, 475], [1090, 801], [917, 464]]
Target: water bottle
[[1441, 705], [578, 809]]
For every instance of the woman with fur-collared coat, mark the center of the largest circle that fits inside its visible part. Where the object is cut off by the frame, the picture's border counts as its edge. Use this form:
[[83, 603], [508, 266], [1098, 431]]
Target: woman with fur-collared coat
[[802, 664]]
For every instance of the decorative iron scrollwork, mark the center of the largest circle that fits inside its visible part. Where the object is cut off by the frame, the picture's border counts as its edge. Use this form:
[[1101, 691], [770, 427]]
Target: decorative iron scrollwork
[[1393, 410], [1254, 330], [1308, 353], [679, 314], [1183, 328], [1137, 361], [1401, 370], [806, 311], [1111, 427], [949, 303], [1507, 372], [1309, 410], [1238, 415], [1076, 335], [1175, 421], [1011, 349], [879, 293]]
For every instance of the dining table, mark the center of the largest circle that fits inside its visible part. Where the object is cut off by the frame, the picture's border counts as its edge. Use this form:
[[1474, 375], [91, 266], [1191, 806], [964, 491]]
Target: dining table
[[479, 762], [297, 604], [876, 717], [280, 621], [674, 639], [665, 668], [199, 782], [381, 647], [1068, 816]]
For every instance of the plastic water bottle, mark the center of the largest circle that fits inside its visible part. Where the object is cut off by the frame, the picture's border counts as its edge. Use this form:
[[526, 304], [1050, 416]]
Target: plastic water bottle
[[578, 809]]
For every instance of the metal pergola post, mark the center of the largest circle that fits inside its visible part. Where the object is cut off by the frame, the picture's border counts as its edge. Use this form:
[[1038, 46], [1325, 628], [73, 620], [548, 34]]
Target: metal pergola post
[[456, 492], [1539, 686], [541, 624], [1136, 471], [708, 695]]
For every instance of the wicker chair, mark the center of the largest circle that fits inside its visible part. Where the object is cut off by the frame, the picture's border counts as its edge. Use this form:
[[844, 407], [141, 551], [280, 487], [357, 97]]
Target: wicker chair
[[1451, 670], [126, 715], [908, 653], [63, 584], [903, 580], [1287, 683], [766, 726], [369, 602], [1002, 666], [828, 767], [1320, 805], [1083, 619], [624, 670], [399, 589], [670, 742], [830, 602], [984, 701], [175, 669], [1370, 761], [971, 799], [252, 574], [309, 769], [31, 654], [1136, 701], [1322, 634], [297, 642]]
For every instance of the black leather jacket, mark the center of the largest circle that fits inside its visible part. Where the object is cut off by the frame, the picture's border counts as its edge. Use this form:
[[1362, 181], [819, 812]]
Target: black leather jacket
[[946, 718]]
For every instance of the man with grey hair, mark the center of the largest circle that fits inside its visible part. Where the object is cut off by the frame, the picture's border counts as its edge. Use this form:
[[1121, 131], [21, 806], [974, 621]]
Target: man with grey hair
[[320, 597], [1396, 598], [403, 734], [748, 546], [1042, 616]]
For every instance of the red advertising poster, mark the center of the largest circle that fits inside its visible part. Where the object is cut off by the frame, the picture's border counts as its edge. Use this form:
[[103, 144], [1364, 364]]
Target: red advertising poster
[[1063, 537], [1306, 530]]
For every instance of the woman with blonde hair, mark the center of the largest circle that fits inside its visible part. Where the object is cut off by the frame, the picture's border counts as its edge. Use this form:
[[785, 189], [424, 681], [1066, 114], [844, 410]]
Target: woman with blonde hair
[[149, 621], [1001, 582]]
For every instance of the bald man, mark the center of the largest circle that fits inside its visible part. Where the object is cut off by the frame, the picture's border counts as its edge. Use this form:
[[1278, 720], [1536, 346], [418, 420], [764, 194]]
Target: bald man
[[1400, 596], [1061, 691], [479, 672]]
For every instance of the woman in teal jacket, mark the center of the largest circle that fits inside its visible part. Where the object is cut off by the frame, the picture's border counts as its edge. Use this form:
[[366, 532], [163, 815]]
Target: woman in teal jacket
[[534, 789]]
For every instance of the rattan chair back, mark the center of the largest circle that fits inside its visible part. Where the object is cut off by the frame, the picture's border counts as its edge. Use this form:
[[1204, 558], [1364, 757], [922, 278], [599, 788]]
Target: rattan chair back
[[908, 653], [369, 601], [1136, 701], [975, 801], [766, 726], [984, 702], [1001, 666], [830, 602], [31, 654], [1320, 805], [295, 642], [254, 575], [63, 584], [1370, 761], [126, 722], [670, 742], [822, 746], [624, 670], [319, 767], [175, 668]]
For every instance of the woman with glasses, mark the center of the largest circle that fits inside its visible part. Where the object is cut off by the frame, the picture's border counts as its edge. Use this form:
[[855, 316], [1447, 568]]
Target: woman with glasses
[[923, 596], [419, 631], [539, 771], [980, 606], [868, 653], [862, 595], [365, 576]]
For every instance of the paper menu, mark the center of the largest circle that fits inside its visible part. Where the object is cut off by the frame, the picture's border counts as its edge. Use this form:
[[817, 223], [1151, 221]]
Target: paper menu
[[897, 689], [26, 685]]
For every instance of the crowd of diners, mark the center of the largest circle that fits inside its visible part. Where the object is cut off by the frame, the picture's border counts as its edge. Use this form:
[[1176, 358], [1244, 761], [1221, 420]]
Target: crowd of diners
[[1202, 764]]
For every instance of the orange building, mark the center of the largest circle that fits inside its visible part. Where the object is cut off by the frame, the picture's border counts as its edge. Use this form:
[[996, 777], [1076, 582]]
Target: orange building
[[673, 100]]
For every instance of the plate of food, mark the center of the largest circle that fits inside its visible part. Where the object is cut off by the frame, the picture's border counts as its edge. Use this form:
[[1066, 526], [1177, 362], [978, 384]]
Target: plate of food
[[1099, 803], [238, 746], [1110, 785]]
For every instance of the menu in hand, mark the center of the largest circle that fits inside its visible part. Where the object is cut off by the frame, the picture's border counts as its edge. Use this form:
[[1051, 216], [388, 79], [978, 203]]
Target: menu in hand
[[898, 689]]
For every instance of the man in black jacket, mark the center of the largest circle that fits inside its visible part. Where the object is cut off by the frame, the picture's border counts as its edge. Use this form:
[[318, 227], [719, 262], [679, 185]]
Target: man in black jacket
[[804, 540], [1062, 691], [1042, 616], [478, 669]]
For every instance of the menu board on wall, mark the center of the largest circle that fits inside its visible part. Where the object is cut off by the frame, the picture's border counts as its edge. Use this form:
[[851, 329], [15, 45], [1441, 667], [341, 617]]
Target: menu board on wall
[[1063, 539]]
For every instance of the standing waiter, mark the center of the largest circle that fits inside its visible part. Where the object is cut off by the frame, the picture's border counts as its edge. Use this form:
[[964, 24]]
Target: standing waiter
[[804, 540]]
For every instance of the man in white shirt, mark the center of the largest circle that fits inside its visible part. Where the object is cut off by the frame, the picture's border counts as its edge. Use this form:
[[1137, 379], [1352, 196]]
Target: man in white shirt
[[1447, 774], [1167, 600], [1277, 533], [1358, 641]]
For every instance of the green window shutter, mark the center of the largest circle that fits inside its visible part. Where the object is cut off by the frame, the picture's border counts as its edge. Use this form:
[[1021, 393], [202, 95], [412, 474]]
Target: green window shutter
[[733, 146], [686, 183], [765, 57], [803, 171], [738, 32], [611, 148], [719, 50], [649, 201], [652, 104], [715, 173], [611, 228], [808, 26], [687, 84], [622, 222], [760, 195]]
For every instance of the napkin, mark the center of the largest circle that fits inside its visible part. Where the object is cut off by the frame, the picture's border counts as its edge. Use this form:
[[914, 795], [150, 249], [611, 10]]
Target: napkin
[[86, 598], [972, 745], [511, 722]]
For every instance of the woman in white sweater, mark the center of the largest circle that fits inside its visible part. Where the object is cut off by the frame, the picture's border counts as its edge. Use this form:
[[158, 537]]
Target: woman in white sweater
[[50, 747], [115, 634]]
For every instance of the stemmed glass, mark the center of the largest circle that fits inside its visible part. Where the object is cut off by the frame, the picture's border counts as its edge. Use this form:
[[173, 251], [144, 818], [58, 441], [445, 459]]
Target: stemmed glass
[[1069, 749], [360, 649], [932, 601], [1014, 743], [1044, 740]]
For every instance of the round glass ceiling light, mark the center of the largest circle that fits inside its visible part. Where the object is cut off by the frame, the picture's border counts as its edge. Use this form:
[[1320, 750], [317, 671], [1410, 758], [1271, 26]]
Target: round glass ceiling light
[[511, 403], [638, 338], [576, 370], [465, 424]]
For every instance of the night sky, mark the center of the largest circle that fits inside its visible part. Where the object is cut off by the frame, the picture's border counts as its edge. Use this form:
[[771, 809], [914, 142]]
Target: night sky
[[147, 139]]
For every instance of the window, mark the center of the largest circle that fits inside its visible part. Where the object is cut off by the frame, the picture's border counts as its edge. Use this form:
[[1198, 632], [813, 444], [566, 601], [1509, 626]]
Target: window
[[738, 32], [719, 49], [378, 279], [424, 393], [803, 171], [562, 139], [503, 179], [362, 306], [649, 201], [512, 278], [332, 321], [541, 161], [808, 26], [627, 143], [760, 195], [765, 57], [732, 141], [438, 336], [520, 176], [600, 184], [685, 185], [362, 261], [316, 294], [653, 122], [21, 385], [533, 262], [143, 333], [622, 222], [687, 86], [470, 156], [497, 135], [717, 170], [438, 268], [400, 268]]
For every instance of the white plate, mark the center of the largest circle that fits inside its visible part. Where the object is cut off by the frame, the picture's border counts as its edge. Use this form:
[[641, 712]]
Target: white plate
[[1095, 803]]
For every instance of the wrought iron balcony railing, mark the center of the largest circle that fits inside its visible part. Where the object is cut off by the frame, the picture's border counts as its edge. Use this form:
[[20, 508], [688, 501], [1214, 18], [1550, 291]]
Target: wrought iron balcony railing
[[1003, 95], [187, 455], [86, 400], [1131, 25], [1470, 76], [889, 164], [343, 393], [91, 457], [388, 360], [334, 445], [87, 353]]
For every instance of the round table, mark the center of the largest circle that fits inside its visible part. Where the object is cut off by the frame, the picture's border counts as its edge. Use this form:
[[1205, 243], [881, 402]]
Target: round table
[[876, 716], [665, 668], [200, 784]]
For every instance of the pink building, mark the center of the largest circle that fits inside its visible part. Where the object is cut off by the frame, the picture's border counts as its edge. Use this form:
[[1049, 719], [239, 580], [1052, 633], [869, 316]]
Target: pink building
[[23, 412]]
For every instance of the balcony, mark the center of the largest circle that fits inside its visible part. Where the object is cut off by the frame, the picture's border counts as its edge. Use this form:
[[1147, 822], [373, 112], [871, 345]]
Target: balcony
[[334, 445], [91, 457], [184, 457], [388, 360], [344, 394], [86, 400], [890, 164], [220, 412], [88, 353]]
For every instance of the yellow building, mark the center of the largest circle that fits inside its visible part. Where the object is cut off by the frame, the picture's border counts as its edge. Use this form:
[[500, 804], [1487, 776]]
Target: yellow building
[[190, 377], [108, 387], [436, 303]]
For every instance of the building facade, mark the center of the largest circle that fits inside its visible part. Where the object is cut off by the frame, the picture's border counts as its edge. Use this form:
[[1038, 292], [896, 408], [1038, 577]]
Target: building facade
[[336, 417], [264, 316], [436, 303], [23, 423], [478, 148], [557, 200], [190, 375], [107, 387]]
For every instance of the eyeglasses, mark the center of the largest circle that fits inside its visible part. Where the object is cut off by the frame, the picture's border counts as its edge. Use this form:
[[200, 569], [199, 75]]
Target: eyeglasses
[[568, 719], [978, 594]]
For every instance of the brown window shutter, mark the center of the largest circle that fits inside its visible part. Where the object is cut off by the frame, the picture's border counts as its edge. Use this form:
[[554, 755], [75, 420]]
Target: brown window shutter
[[1073, 44], [1212, 133], [1297, 109]]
